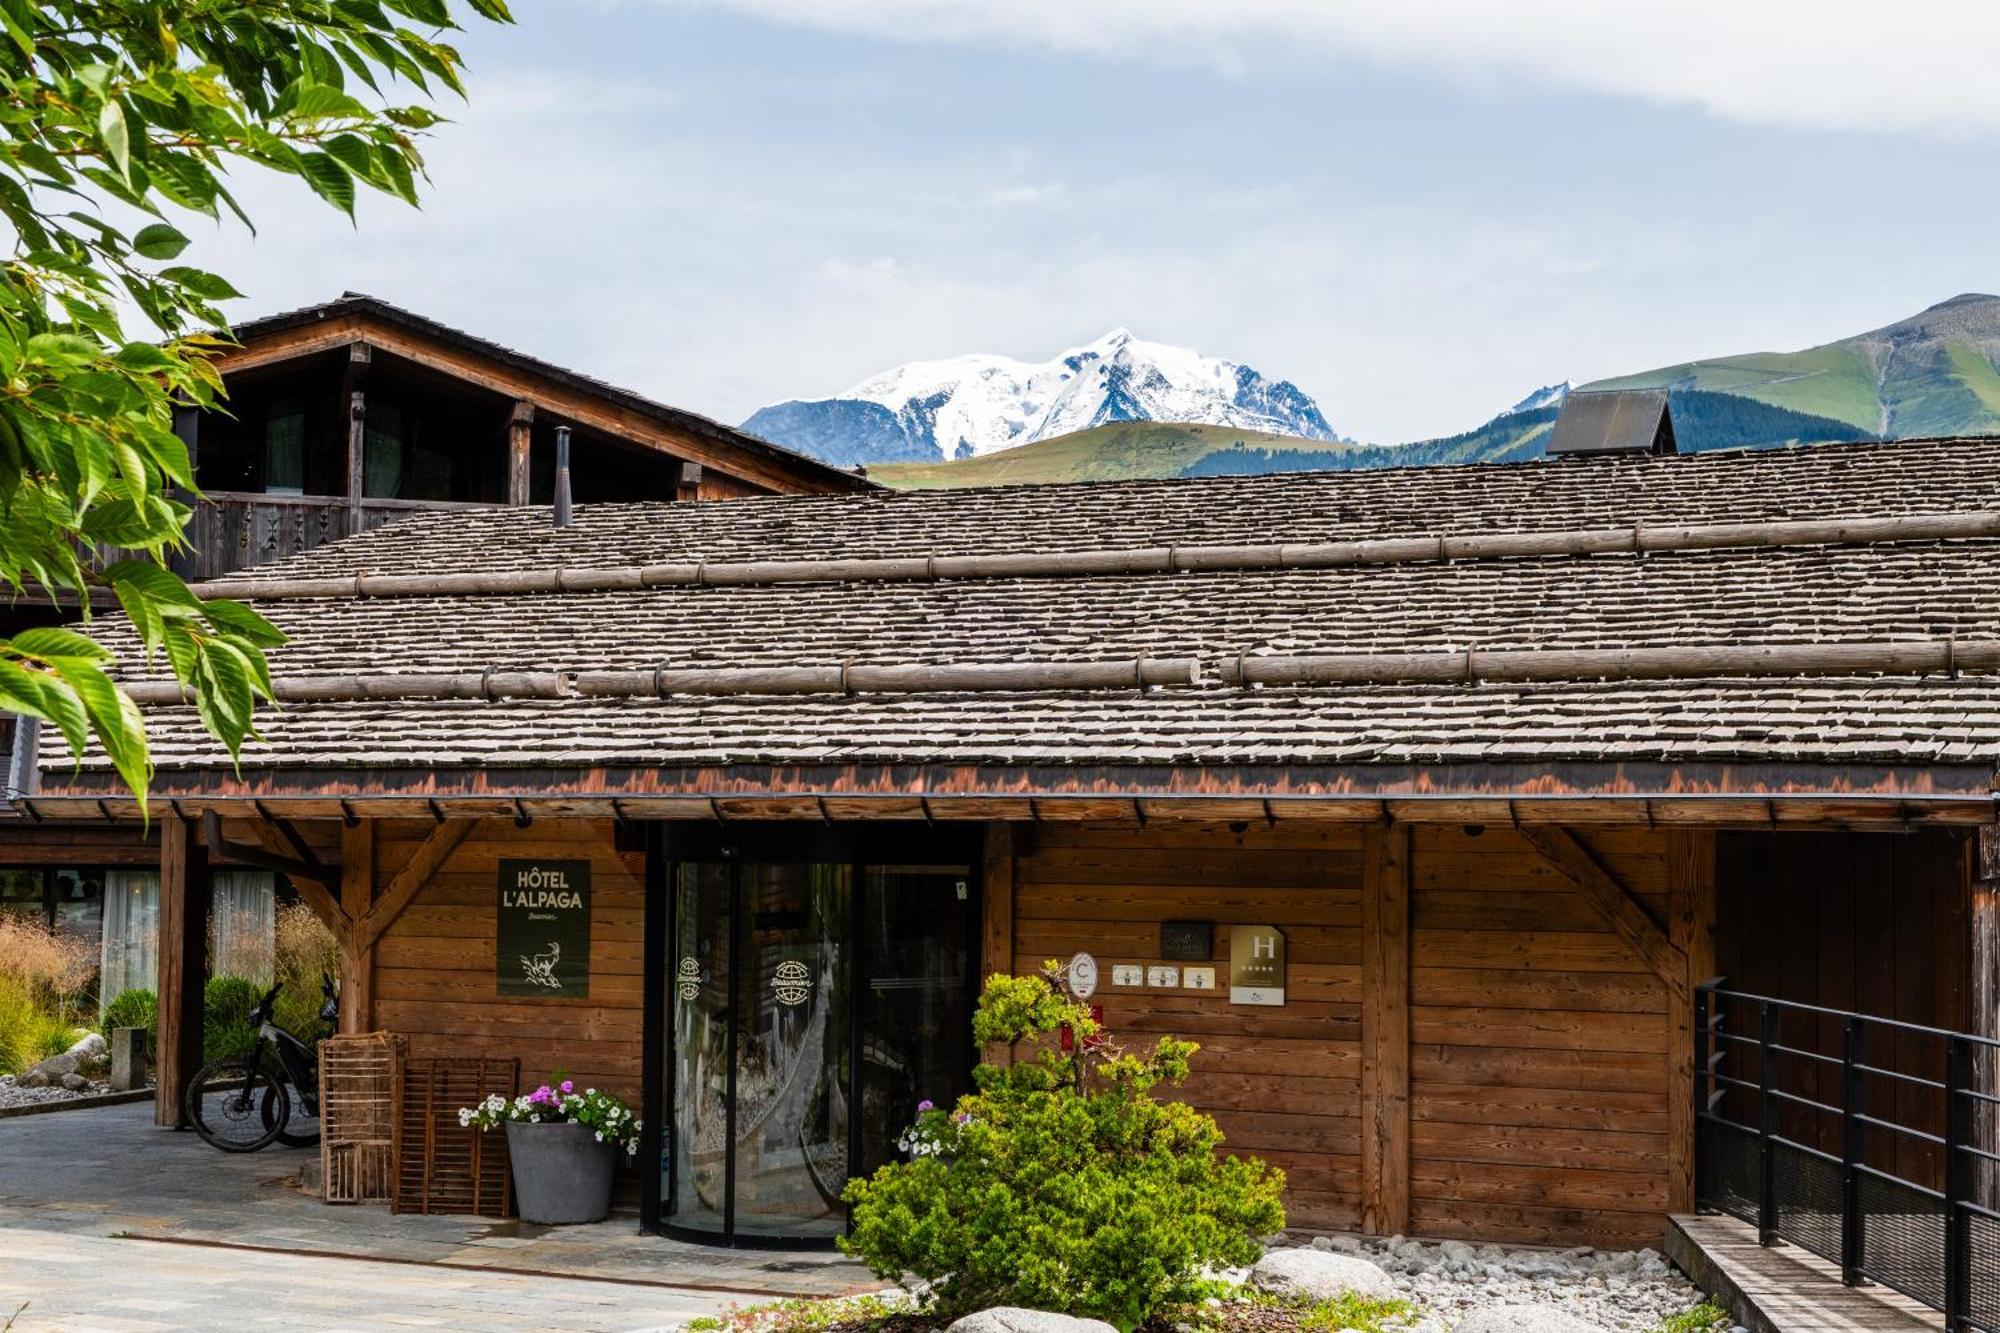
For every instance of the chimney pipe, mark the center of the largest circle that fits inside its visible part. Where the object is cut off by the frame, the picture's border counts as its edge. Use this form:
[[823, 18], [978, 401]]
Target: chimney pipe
[[562, 477]]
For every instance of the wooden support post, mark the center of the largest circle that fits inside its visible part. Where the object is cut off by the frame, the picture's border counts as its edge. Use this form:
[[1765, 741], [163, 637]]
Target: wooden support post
[[1691, 931], [1385, 1030], [996, 949], [183, 926], [352, 384], [357, 951], [520, 449], [688, 485]]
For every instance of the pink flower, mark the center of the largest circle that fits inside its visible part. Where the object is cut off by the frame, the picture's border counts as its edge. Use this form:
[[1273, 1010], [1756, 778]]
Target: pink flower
[[926, 1105], [568, 1086]]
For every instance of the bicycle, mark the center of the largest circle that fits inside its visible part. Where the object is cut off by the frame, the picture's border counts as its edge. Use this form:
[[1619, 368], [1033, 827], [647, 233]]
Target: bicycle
[[242, 1103]]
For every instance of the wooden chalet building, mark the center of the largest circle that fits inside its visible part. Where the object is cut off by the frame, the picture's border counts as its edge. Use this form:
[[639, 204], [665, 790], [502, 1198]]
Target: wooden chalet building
[[1499, 762], [340, 418]]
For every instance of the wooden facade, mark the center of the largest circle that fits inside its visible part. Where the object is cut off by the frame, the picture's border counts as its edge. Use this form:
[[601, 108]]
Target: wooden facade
[[1486, 1031]]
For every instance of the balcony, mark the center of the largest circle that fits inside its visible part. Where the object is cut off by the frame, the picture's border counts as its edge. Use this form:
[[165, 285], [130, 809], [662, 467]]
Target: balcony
[[234, 530]]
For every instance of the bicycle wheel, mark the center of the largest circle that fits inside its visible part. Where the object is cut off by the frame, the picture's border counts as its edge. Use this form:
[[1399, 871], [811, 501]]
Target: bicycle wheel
[[287, 1113], [226, 1102]]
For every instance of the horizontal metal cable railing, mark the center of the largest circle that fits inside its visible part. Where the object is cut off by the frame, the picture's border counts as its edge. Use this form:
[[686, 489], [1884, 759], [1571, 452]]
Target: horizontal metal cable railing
[[1867, 1141]]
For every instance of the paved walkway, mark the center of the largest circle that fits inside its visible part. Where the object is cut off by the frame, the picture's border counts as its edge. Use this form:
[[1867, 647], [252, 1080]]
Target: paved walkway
[[108, 1172], [75, 1283], [1783, 1289]]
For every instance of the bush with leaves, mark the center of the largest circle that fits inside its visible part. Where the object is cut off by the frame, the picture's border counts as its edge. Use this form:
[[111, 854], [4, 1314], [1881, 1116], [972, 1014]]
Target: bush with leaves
[[226, 1029], [135, 1008], [135, 109], [1063, 1183]]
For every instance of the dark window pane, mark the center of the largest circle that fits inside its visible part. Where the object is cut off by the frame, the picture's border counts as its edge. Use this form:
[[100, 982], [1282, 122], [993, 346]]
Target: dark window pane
[[285, 448]]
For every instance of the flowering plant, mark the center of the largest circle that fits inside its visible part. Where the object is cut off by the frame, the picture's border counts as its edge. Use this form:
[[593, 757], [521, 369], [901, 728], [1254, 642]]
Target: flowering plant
[[558, 1103]]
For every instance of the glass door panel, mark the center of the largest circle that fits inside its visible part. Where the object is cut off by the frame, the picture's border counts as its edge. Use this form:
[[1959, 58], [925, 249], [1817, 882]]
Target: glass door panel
[[697, 1188], [916, 1035], [791, 1055]]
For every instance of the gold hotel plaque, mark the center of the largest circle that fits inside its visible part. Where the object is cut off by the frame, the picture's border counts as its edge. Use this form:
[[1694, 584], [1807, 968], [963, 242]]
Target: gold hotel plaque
[[1256, 965]]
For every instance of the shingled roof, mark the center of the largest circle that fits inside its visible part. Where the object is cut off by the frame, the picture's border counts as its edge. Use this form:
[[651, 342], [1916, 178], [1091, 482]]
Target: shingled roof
[[1603, 728]]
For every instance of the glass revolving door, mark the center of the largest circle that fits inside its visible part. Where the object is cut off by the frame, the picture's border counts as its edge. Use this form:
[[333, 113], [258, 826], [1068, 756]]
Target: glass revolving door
[[811, 1004]]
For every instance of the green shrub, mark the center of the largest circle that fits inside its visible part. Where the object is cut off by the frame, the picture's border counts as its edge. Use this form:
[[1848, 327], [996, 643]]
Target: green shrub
[[226, 1003], [1062, 1184], [30, 1029], [135, 1008]]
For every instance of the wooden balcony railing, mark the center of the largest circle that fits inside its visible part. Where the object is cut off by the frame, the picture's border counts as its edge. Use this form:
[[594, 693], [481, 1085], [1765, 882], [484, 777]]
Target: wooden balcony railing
[[236, 530]]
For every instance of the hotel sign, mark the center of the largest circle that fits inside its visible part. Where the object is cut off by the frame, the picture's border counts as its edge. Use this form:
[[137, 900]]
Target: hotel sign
[[1256, 965], [543, 933]]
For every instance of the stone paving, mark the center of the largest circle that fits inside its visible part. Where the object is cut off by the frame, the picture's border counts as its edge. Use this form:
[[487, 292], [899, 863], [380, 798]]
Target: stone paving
[[108, 1172], [79, 1283]]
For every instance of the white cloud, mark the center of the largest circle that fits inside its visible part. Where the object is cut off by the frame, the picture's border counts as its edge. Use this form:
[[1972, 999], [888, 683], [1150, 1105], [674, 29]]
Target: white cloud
[[1922, 65]]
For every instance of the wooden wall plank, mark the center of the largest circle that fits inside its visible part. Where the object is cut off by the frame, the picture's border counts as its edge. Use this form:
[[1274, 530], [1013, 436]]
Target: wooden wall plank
[[1386, 1031]]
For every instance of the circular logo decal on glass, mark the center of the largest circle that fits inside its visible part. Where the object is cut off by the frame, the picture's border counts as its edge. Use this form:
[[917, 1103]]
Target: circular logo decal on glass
[[791, 982], [690, 979]]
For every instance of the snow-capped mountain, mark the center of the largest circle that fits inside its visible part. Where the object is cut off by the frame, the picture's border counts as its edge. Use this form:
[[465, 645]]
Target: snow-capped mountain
[[969, 405], [1547, 396]]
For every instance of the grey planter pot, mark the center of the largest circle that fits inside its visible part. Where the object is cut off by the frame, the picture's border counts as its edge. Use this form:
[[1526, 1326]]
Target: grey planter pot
[[562, 1174]]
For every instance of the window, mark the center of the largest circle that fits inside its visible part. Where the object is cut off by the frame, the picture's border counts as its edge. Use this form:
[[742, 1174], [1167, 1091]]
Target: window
[[382, 452], [76, 898], [285, 448], [22, 893]]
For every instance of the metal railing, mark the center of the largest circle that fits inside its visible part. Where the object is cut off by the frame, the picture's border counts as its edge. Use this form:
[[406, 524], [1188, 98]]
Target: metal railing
[[1877, 1155]]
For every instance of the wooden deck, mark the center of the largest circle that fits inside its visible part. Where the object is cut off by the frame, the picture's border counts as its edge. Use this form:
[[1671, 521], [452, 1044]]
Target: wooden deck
[[1784, 1289]]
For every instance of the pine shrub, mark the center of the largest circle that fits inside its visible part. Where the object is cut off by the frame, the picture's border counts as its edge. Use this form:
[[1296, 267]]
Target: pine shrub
[[1063, 1183]]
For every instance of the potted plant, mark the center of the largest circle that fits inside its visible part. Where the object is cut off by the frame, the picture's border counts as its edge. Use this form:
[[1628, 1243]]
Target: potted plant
[[564, 1147]]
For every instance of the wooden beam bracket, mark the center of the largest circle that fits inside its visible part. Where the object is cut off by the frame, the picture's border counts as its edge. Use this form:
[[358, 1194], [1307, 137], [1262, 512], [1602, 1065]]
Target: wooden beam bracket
[[304, 865], [1613, 901]]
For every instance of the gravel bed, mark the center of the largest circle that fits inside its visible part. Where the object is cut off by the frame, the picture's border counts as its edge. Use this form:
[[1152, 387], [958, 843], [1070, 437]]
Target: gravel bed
[[11, 1095], [1618, 1291]]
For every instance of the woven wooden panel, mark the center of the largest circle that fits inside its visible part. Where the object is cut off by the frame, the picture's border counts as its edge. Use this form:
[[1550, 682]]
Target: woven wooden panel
[[442, 1166], [360, 1079]]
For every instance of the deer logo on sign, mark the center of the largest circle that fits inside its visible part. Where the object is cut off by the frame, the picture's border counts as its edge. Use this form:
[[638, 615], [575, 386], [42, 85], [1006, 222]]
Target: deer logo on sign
[[541, 968]]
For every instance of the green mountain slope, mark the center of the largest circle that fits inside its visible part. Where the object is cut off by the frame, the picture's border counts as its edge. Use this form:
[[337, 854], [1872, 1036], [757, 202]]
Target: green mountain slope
[[1936, 373], [1931, 374], [1121, 451]]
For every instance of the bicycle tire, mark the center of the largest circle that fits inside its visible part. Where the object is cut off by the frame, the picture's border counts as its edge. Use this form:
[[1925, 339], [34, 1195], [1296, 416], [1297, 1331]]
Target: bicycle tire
[[221, 1099], [285, 1136]]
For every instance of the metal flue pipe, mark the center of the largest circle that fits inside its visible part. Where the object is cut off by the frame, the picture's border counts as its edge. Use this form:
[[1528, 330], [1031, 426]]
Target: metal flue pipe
[[562, 477]]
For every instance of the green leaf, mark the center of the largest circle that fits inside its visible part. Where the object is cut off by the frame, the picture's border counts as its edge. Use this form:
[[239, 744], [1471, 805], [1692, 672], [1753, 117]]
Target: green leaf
[[329, 179], [114, 719], [239, 620], [203, 284], [53, 641], [116, 137], [159, 241], [41, 695]]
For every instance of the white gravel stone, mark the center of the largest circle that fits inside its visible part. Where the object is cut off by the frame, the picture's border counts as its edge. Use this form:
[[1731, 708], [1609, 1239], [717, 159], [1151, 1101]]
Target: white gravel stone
[[1013, 1319], [1523, 1319], [1320, 1275], [1607, 1291], [12, 1093]]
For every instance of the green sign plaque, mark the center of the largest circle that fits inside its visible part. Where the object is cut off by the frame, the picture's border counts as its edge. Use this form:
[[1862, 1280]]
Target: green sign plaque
[[544, 931]]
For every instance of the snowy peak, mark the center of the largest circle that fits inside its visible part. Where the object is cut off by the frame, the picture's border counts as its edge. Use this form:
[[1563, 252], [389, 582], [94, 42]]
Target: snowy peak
[[963, 406]]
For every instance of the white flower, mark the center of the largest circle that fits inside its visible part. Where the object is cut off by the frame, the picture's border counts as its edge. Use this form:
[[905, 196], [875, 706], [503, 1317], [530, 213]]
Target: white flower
[[600, 1136]]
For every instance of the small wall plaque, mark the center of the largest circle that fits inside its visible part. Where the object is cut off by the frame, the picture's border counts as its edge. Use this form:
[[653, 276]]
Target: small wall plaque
[[1128, 974], [1166, 977], [1198, 978], [1185, 940], [1083, 976], [1256, 965]]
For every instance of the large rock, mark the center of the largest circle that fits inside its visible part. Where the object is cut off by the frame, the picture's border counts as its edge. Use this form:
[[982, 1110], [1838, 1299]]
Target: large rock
[[1524, 1319], [1318, 1275], [1013, 1319], [90, 1050]]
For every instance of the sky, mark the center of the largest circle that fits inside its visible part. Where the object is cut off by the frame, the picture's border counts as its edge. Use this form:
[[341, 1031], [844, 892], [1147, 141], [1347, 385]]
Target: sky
[[1416, 210]]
